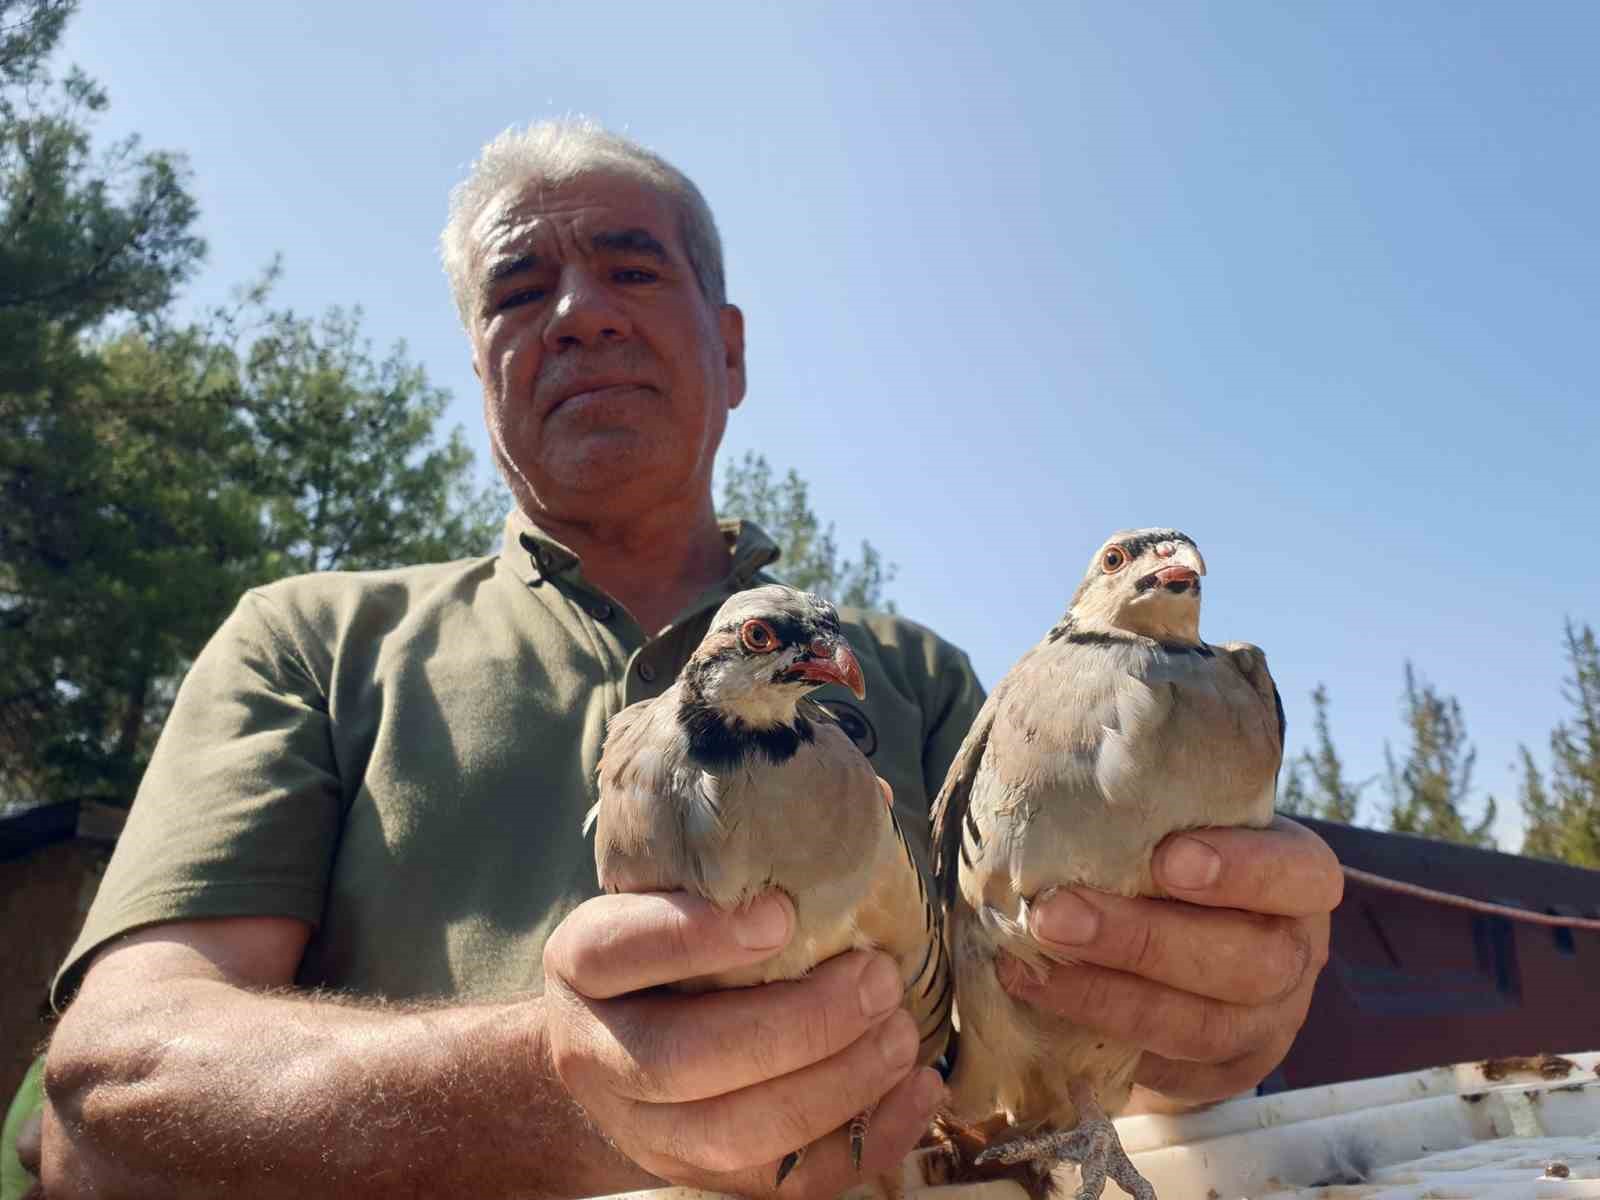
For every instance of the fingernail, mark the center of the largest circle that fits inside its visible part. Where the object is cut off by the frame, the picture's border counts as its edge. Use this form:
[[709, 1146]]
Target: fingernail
[[1067, 920], [1190, 864], [898, 1042], [764, 925], [881, 988]]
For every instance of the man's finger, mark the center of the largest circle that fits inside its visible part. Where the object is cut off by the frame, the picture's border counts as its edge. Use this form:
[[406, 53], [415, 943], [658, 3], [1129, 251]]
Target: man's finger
[[612, 945], [676, 1048], [1284, 869], [1239, 957], [895, 1127], [1152, 1016], [897, 1124], [761, 1124], [1205, 1083]]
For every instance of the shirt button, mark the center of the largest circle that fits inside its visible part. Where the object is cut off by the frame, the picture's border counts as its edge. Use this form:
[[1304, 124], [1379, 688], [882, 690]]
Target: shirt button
[[646, 671], [603, 612]]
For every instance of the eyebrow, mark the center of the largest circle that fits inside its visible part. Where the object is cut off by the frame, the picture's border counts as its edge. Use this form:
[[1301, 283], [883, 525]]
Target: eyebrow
[[625, 241], [510, 266], [631, 241]]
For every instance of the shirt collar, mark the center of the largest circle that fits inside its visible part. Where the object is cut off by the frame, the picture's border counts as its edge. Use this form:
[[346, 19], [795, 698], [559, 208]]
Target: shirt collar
[[536, 556]]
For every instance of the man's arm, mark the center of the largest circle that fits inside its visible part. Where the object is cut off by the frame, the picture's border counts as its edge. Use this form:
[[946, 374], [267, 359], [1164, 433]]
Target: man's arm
[[184, 1067], [1214, 983]]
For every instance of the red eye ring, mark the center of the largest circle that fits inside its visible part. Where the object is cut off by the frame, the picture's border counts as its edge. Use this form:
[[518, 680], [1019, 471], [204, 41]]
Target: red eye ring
[[758, 636], [1113, 560]]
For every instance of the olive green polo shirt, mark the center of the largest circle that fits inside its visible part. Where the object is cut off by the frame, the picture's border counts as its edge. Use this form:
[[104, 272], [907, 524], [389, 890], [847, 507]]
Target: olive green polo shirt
[[403, 759]]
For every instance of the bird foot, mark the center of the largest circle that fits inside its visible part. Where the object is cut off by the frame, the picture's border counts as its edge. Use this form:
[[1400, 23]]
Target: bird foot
[[858, 1137], [858, 1142], [787, 1164], [1093, 1146]]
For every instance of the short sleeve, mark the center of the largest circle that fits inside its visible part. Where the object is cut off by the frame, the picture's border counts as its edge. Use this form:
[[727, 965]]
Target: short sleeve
[[240, 809]]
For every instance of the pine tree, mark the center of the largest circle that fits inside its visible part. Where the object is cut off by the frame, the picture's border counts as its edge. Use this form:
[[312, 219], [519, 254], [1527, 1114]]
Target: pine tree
[[344, 457], [169, 472], [811, 558], [1431, 789], [1293, 798], [87, 240], [1541, 835], [1328, 795], [148, 474], [1563, 820]]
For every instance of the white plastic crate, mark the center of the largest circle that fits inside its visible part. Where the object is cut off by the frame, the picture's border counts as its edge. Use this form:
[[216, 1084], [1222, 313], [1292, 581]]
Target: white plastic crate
[[1477, 1131], [1473, 1130]]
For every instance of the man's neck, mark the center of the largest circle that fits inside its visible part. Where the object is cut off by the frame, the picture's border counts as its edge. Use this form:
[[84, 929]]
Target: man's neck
[[654, 565]]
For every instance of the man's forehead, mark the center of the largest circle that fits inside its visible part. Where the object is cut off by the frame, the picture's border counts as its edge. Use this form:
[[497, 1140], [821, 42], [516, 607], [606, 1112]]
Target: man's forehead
[[588, 205]]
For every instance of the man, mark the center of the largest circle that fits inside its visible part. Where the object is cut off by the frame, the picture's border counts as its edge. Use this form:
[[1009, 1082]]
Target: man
[[315, 963]]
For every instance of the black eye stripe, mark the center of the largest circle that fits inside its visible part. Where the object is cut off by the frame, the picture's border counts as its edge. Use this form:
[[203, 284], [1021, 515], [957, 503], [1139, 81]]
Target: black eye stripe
[[1137, 546]]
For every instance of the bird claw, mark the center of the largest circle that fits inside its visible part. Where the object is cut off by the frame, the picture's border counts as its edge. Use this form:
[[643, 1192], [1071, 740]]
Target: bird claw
[[1093, 1146], [787, 1164], [858, 1139]]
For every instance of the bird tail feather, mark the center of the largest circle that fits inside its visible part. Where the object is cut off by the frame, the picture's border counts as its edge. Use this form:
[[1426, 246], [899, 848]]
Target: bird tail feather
[[1013, 936]]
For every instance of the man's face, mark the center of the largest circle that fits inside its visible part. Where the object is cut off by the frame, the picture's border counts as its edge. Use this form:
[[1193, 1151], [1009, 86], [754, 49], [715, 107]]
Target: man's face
[[607, 375]]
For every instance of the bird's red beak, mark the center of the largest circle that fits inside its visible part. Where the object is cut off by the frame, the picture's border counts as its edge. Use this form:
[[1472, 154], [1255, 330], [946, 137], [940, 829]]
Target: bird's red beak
[[1176, 574], [830, 661]]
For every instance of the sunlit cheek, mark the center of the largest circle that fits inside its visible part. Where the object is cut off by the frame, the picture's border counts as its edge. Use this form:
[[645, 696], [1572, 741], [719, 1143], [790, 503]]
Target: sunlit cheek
[[514, 365]]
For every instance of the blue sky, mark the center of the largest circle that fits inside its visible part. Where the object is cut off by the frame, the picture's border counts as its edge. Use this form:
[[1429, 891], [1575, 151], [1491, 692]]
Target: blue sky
[[1317, 283]]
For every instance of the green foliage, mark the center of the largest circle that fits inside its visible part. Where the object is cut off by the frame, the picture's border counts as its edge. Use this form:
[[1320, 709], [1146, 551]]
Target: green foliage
[[1430, 790], [83, 236], [1315, 784], [811, 559], [121, 544], [1294, 797], [149, 474], [345, 456], [163, 473], [84, 239], [1563, 820]]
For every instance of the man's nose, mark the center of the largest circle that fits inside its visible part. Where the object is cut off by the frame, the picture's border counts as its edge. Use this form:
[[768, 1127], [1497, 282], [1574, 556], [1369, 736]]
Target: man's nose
[[585, 312]]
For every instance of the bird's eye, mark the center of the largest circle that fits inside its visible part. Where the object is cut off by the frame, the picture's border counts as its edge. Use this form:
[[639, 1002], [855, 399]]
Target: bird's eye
[[758, 636], [1113, 560]]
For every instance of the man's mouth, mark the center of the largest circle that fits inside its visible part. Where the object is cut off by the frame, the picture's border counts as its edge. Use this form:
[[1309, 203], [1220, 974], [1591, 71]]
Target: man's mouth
[[589, 391]]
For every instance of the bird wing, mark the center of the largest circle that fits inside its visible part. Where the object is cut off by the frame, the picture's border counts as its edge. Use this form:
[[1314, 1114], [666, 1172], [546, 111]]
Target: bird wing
[[1251, 662], [1065, 795], [899, 917], [652, 802], [1089, 752], [1028, 806], [951, 805]]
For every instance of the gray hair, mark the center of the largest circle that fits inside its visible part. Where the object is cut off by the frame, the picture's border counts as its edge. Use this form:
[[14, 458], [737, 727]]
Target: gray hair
[[553, 153]]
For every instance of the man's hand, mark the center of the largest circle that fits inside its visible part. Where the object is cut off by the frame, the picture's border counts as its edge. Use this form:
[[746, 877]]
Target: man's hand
[[713, 1089], [1213, 988]]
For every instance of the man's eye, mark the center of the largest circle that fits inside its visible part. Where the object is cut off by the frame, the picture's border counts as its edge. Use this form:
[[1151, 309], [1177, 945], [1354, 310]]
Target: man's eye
[[515, 299], [634, 275]]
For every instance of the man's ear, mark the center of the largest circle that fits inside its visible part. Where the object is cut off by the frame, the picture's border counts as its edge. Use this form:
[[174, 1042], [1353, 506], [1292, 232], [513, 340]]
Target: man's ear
[[731, 321]]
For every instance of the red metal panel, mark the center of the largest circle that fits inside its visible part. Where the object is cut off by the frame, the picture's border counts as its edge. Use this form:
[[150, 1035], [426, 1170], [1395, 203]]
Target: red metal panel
[[1413, 984]]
